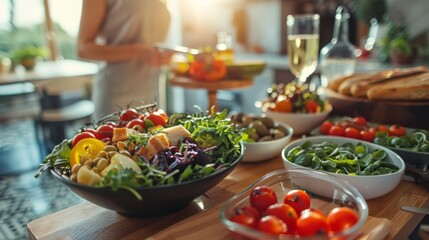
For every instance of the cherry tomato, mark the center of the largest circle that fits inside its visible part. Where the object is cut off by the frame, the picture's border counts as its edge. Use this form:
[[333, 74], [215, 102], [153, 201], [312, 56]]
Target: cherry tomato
[[113, 124], [213, 70], [252, 211], [91, 130], [326, 125], [286, 213], [129, 114], [383, 128], [373, 130], [352, 132], [367, 136], [397, 131], [311, 106], [311, 223], [272, 224], [162, 113], [157, 119], [298, 200], [283, 105], [359, 120], [104, 131], [313, 210], [136, 124], [80, 136], [244, 219], [341, 218], [262, 197], [336, 130]]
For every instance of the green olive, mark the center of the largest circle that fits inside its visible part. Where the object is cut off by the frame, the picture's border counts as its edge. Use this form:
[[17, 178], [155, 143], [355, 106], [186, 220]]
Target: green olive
[[276, 134], [246, 120], [260, 128], [268, 122]]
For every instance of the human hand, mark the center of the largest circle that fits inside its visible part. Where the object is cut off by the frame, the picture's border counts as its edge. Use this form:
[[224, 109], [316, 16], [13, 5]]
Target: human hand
[[155, 57]]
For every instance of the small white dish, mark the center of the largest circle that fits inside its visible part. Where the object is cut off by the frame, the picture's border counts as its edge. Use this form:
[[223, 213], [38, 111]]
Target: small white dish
[[370, 186], [261, 151], [300, 122]]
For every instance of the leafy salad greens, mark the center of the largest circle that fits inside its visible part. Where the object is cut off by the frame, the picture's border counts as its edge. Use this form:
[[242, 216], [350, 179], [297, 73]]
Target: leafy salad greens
[[345, 159]]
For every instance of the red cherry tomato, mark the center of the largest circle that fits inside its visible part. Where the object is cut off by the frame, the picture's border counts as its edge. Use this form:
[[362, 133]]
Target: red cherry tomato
[[157, 119], [111, 123], [136, 124], [359, 121], [383, 128], [341, 218], [286, 213], [262, 197], [336, 130], [326, 126], [244, 219], [311, 106], [104, 131], [313, 210], [396, 130], [91, 130], [80, 136], [283, 105], [367, 136], [129, 114], [373, 130], [298, 200], [352, 132], [252, 211], [311, 223], [162, 113], [272, 224]]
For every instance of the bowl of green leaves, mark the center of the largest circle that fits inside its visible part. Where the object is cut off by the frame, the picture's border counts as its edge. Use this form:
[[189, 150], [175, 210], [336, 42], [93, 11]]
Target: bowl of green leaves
[[372, 169]]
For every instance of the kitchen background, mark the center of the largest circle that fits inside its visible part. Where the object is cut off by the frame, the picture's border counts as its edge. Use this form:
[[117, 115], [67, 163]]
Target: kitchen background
[[258, 27]]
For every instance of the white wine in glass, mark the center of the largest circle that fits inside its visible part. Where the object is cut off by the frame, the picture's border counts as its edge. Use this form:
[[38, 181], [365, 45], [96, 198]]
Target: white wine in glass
[[303, 44]]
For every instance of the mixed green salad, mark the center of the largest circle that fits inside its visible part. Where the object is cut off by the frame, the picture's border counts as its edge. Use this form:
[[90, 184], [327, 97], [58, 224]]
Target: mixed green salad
[[150, 154]]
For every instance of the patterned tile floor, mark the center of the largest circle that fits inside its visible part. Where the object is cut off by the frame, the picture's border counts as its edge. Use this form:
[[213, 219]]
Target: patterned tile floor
[[24, 198]]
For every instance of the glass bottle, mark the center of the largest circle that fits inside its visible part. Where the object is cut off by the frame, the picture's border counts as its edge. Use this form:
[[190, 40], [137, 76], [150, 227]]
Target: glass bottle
[[224, 48], [338, 57]]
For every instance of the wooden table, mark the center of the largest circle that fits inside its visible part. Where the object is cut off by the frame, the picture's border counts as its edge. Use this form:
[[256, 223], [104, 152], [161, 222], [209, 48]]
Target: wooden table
[[48, 70], [201, 219], [211, 87]]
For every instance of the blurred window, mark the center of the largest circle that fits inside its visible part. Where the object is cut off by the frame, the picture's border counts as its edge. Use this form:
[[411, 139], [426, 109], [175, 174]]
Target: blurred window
[[22, 23]]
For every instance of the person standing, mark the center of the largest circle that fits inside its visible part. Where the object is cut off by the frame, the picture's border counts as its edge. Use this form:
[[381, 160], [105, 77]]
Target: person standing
[[121, 34]]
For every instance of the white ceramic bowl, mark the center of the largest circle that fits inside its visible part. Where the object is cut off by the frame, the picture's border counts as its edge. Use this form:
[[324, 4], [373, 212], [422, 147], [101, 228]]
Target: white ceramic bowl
[[370, 186], [300, 122], [261, 151]]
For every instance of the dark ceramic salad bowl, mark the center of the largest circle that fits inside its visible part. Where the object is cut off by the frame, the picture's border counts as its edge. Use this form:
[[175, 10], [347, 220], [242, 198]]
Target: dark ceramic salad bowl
[[157, 200]]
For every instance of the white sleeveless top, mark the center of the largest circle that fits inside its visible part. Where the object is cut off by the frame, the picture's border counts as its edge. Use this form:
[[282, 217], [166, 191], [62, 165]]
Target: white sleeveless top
[[120, 84]]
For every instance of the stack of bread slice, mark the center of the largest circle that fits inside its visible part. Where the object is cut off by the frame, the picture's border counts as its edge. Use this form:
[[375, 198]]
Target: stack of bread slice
[[402, 84]]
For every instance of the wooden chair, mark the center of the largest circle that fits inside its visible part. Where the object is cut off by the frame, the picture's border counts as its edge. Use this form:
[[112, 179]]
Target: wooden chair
[[55, 121], [19, 140]]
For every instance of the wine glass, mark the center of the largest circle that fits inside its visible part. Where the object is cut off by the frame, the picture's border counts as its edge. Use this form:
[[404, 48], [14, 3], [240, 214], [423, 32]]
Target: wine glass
[[303, 44]]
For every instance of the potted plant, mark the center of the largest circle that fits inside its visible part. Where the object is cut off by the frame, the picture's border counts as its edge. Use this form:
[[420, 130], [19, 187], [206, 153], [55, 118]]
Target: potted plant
[[5, 63], [397, 45], [28, 56], [402, 51]]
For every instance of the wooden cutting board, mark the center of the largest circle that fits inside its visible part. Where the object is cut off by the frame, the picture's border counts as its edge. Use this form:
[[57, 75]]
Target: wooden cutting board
[[208, 224]]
